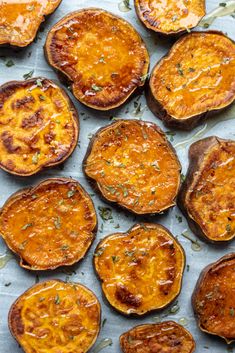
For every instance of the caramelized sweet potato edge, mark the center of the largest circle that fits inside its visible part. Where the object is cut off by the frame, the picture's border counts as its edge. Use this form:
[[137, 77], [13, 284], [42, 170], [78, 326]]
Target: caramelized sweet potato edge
[[158, 109], [170, 322], [199, 282], [8, 86], [14, 311], [143, 19], [150, 225], [31, 190], [67, 80], [44, 18], [95, 185], [197, 152]]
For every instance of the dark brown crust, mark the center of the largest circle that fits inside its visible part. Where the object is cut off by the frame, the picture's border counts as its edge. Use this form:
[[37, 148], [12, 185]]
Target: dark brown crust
[[158, 110], [45, 17], [95, 185], [23, 192], [6, 90], [122, 337], [132, 299], [197, 288], [13, 311], [197, 153], [64, 77]]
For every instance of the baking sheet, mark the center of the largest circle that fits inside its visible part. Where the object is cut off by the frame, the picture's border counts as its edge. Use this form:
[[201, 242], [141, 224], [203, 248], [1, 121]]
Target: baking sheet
[[14, 280]]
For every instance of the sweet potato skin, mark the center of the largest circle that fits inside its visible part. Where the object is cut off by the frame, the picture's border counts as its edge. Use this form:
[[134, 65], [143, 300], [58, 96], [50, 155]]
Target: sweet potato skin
[[50, 225], [54, 314], [167, 336], [112, 166], [101, 77], [207, 195], [32, 15], [213, 300], [179, 17], [183, 90], [127, 266], [39, 126]]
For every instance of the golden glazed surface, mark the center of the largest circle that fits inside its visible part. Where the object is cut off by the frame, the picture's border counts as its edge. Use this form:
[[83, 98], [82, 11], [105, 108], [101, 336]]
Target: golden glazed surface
[[38, 126], [55, 316], [197, 76], [50, 225], [140, 270], [20, 19], [101, 54], [134, 165], [166, 337], [170, 16], [213, 298]]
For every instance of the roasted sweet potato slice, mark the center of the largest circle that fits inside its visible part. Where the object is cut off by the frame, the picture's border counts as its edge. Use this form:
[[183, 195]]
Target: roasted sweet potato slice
[[55, 316], [140, 270], [207, 196], [197, 77], [50, 225], [38, 126], [20, 20], [166, 337], [101, 54], [178, 16], [213, 298], [131, 163]]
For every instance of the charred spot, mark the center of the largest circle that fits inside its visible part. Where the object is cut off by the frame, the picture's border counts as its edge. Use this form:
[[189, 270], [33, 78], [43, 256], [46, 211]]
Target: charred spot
[[49, 137], [23, 102], [126, 297], [34, 120], [16, 320], [7, 140]]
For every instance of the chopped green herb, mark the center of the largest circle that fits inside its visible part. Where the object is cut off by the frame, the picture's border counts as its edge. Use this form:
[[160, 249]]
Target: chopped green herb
[[191, 69], [115, 258], [64, 247], [105, 213], [71, 193], [99, 251], [127, 4], [180, 70], [31, 7], [57, 222], [9, 63], [39, 82], [111, 189], [179, 218], [206, 25], [27, 226], [174, 18], [7, 284], [228, 228], [104, 322], [23, 244], [188, 268], [175, 308], [129, 253], [96, 88], [171, 134], [101, 59], [223, 4], [35, 157], [182, 177], [57, 299], [144, 77], [231, 312], [28, 75], [42, 98]]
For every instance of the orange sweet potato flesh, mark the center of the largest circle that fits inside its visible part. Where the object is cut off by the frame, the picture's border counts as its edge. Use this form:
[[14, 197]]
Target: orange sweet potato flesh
[[165, 337], [207, 196], [101, 54], [140, 270], [38, 126], [196, 78], [132, 164], [20, 20], [213, 298], [55, 316], [171, 17], [50, 225]]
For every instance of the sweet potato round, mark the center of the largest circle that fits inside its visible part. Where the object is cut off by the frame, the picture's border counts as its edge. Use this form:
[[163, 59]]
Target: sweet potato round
[[132, 164], [101, 54], [166, 336], [177, 17], [207, 196], [140, 270], [21, 30], [195, 78], [50, 225], [55, 316], [213, 298], [38, 126]]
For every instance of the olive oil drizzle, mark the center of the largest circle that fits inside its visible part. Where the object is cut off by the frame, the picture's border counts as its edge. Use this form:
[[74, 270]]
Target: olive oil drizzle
[[102, 344], [224, 9], [5, 258]]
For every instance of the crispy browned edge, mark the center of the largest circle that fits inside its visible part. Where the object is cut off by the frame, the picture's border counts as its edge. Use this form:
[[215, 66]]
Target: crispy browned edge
[[200, 280], [8, 44], [158, 110], [197, 152], [121, 338], [147, 24], [17, 84], [13, 312], [95, 184], [30, 190], [67, 80], [150, 225]]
